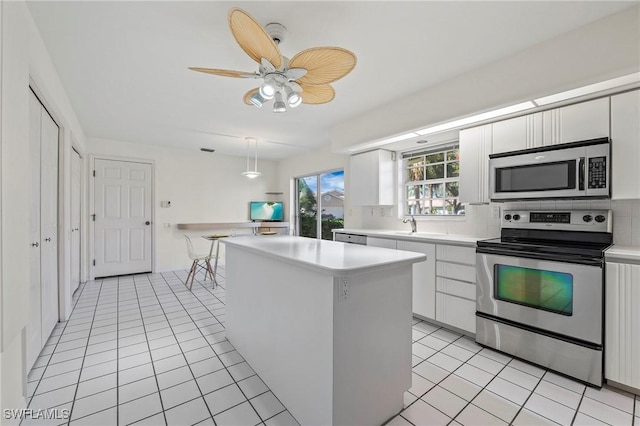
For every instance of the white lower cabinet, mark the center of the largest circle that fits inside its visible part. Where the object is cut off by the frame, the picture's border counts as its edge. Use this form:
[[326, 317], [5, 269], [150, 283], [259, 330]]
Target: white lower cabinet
[[456, 286], [424, 280], [456, 311], [622, 324], [444, 285]]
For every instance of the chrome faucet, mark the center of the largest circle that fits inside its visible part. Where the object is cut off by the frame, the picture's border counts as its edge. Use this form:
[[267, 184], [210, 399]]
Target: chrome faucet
[[414, 227]]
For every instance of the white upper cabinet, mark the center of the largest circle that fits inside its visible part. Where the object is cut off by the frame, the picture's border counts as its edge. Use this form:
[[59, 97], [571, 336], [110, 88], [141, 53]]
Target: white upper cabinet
[[517, 133], [475, 147], [625, 144], [371, 179], [586, 120]]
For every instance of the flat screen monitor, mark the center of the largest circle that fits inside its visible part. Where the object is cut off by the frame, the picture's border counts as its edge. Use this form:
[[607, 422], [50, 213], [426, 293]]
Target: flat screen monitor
[[268, 211]]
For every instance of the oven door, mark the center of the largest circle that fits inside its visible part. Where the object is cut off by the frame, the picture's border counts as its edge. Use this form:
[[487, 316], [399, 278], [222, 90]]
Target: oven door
[[545, 296]]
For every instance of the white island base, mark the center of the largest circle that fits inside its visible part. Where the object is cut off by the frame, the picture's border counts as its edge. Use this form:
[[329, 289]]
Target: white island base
[[333, 342]]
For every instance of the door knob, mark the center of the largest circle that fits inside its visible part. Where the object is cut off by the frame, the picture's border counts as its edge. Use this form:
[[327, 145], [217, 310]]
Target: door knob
[[36, 244], [147, 223]]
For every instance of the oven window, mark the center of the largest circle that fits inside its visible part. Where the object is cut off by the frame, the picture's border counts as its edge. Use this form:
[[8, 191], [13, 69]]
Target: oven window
[[537, 177], [547, 290]]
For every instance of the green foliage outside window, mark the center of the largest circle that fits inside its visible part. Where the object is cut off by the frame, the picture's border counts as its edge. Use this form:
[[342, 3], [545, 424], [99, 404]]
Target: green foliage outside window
[[308, 213], [432, 183]]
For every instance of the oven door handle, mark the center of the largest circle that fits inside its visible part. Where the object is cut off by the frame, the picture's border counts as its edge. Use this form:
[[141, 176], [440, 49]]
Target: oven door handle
[[581, 260], [581, 174]]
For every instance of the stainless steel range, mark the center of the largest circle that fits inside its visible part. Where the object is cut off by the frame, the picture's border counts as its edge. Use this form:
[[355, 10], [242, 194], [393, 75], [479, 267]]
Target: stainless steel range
[[540, 290]]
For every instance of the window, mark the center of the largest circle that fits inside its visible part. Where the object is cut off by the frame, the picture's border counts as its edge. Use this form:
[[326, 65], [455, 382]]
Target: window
[[323, 194], [432, 182]]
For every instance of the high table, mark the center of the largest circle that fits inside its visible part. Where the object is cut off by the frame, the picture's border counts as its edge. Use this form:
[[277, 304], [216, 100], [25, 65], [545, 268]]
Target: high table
[[326, 325]]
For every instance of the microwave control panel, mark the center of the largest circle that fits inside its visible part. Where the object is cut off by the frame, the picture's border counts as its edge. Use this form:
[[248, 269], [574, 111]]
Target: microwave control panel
[[597, 172]]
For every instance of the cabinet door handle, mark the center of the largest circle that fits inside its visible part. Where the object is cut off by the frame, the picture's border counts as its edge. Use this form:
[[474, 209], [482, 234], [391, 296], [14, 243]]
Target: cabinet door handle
[[36, 244], [147, 223], [47, 239]]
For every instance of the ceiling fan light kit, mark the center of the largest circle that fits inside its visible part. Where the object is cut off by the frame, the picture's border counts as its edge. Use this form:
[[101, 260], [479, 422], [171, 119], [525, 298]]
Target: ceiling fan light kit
[[278, 105], [304, 78]]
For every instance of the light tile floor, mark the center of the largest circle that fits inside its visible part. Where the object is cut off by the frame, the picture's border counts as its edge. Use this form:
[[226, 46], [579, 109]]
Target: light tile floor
[[143, 349]]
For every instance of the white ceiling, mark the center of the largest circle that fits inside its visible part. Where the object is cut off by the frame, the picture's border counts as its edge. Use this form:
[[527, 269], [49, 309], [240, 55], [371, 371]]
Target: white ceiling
[[124, 64]]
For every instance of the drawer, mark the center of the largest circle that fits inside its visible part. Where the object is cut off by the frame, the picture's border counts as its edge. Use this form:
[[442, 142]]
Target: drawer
[[456, 271], [456, 288], [455, 311], [456, 254]]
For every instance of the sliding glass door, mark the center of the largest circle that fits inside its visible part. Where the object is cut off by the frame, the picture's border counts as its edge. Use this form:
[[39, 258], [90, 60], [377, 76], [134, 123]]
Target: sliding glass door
[[320, 204]]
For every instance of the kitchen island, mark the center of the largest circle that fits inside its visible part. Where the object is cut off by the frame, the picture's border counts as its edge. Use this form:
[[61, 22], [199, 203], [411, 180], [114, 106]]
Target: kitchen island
[[326, 325]]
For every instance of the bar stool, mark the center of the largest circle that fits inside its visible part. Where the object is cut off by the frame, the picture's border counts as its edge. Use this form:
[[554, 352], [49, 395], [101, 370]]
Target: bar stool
[[215, 239], [197, 259]]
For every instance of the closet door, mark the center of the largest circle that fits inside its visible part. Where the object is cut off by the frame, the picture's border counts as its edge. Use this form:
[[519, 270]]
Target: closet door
[[49, 223], [75, 221], [34, 327]]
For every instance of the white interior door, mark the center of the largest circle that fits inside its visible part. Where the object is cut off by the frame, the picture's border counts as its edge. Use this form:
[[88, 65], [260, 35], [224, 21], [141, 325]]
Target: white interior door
[[49, 223], [34, 327], [75, 221], [122, 208]]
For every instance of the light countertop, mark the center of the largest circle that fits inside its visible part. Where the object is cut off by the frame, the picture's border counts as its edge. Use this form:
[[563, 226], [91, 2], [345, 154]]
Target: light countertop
[[463, 240], [325, 256], [623, 254]]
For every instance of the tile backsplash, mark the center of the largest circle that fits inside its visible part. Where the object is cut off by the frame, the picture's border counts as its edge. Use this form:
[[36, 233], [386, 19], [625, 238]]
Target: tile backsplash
[[479, 220]]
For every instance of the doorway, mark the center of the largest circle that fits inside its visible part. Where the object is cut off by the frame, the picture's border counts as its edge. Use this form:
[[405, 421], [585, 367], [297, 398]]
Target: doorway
[[122, 217], [320, 204]]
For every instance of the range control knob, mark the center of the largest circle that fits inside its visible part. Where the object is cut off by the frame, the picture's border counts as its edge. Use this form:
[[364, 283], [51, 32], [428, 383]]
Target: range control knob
[[600, 218], [516, 217], [587, 218], [507, 217]]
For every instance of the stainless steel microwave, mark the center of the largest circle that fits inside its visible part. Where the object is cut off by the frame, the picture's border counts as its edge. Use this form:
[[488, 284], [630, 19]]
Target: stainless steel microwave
[[567, 171]]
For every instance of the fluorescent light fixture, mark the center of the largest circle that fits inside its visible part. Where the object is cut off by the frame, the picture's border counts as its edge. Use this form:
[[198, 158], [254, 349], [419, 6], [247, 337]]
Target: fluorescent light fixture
[[591, 88], [385, 141], [476, 118]]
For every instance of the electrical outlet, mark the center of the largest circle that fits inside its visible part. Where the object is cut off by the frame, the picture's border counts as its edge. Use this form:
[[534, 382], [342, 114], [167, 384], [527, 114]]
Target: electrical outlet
[[345, 288]]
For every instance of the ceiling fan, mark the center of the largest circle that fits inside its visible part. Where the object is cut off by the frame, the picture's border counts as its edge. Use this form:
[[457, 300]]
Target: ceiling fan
[[304, 78]]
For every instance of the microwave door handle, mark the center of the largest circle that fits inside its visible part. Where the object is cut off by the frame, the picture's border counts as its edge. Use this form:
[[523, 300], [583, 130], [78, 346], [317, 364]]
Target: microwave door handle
[[581, 174]]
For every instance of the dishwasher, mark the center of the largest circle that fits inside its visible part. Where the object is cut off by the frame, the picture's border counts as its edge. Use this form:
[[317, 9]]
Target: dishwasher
[[350, 238]]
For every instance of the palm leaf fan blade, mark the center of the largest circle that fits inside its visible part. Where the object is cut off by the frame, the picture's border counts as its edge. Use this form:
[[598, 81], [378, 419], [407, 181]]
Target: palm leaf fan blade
[[225, 73], [323, 64], [252, 37], [317, 93]]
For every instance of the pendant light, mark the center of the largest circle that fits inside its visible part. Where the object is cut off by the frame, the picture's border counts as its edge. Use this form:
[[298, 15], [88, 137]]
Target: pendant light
[[252, 174]]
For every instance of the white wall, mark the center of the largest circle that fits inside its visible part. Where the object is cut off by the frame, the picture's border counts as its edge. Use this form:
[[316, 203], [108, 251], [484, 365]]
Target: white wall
[[604, 49], [202, 187], [24, 56]]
